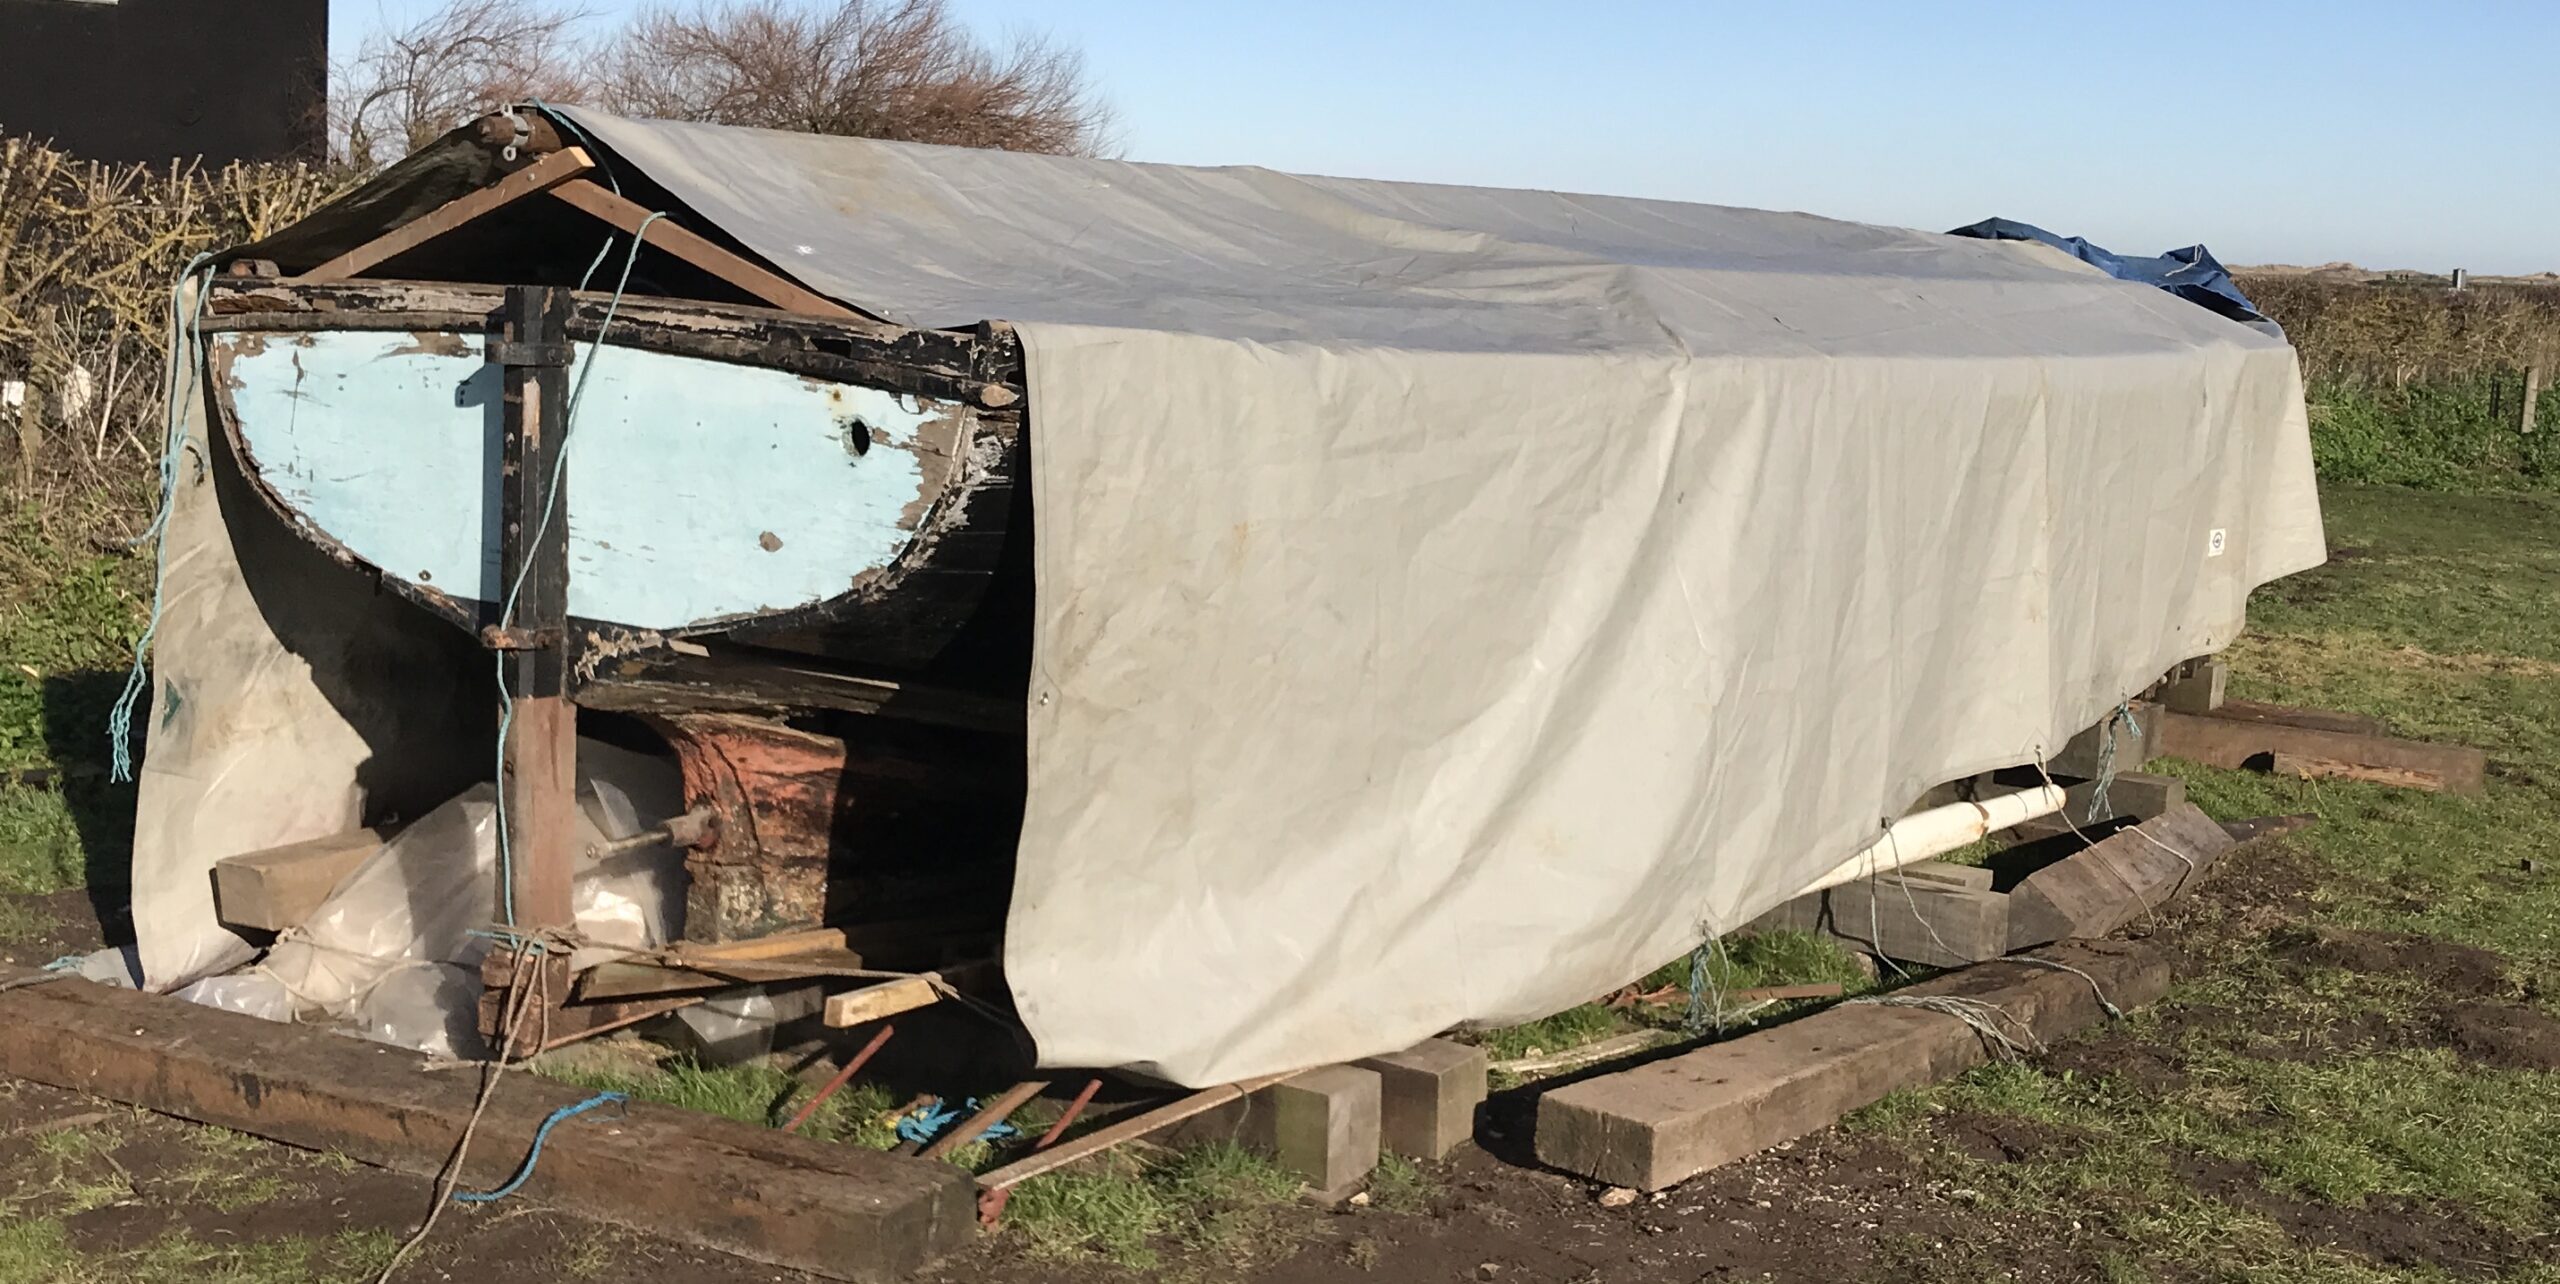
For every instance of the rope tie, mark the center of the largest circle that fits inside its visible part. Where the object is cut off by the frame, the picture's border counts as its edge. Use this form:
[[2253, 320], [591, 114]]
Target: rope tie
[[2113, 1012], [534, 1156], [2107, 757]]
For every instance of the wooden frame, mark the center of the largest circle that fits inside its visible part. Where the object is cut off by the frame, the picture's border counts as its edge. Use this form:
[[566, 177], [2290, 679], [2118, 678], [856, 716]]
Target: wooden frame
[[542, 175]]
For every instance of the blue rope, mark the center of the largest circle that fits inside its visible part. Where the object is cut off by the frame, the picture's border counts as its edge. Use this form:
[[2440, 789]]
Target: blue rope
[[534, 1156], [928, 1121], [550, 501], [178, 373]]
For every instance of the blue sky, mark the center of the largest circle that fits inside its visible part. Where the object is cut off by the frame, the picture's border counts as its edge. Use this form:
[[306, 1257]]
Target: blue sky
[[2417, 134]]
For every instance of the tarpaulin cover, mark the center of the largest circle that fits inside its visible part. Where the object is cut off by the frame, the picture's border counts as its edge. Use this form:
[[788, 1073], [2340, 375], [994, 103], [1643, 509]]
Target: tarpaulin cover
[[1453, 602], [2192, 274]]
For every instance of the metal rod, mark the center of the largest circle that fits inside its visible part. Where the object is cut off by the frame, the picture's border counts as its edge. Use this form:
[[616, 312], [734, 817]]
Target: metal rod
[[843, 1077], [988, 1116]]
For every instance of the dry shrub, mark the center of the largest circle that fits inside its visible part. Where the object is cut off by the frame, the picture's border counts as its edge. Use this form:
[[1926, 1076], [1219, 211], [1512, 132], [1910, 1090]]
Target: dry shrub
[[87, 254], [407, 86], [2393, 335], [896, 69]]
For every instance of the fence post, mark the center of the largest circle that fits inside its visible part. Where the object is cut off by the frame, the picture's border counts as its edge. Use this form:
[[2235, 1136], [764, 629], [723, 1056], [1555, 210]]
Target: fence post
[[2532, 393]]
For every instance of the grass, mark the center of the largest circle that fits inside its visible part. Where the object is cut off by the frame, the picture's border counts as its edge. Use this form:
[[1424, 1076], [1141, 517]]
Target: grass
[[755, 1093], [1218, 1201], [1739, 962], [2443, 618]]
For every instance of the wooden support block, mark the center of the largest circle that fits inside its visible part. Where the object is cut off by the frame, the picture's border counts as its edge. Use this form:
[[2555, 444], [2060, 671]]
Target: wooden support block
[[1973, 876], [1664, 1122], [879, 1002], [1320, 1124], [2088, 756], [1916, 920], [2354, 724], [2200, 690], [2248, 743], [841, 1212], [542, 175], [2125, 875], [278, 888], [2132, 795], [1427, 1096]]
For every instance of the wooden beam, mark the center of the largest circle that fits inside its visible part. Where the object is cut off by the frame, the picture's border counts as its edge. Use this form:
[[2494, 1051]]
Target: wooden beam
[[542, 175], [837, 1211], [2120, 878], [1126, 1130], [2233, 742], [541, 747], [280, 887], [1669, 1120], [672, 237], [1917, 920], [988, 1116], [878, 1002]]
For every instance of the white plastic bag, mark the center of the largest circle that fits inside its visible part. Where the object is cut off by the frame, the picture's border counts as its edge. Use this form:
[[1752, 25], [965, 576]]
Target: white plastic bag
[[250, 991], [431, 1007]]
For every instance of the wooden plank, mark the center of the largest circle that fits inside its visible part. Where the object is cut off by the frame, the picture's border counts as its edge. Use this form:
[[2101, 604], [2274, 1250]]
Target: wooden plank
[[2354, 724], [2239, 743], [988, 1116], [2128, 874], [542, 175], [877, 1002], [1938, 871], [280, 887], [675, 239], [2134, 795], [2088, 755], [2200, 689], [1661, 1123], [1916, 920], [1126, 1130], [836, 1211]]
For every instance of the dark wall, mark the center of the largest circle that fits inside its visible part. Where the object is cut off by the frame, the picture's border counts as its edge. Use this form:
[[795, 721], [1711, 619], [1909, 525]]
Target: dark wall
[[150, 80]]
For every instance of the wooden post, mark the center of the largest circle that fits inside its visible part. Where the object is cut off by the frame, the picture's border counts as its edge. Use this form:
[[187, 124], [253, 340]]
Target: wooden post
[[2532, 393], [541, 757]]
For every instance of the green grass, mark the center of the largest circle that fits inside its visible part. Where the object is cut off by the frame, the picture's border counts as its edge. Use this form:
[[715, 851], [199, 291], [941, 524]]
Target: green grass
[[1400, 1185], [754, 1093], [2447, 434], [1219, 1201], [2444, 621], [1740, 962]]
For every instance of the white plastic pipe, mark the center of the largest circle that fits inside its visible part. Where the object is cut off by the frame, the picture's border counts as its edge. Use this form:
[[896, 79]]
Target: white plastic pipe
[[1940, 830]]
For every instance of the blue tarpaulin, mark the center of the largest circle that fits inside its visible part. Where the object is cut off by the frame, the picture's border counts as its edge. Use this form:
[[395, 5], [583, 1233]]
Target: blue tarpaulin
[[2192, 274]]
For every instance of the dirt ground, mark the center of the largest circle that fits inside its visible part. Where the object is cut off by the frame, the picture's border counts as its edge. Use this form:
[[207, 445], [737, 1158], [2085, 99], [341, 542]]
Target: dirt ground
[[1864, 1201]]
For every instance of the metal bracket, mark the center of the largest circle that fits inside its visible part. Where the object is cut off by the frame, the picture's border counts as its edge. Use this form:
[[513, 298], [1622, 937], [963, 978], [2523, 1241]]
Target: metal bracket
[[511, 352]]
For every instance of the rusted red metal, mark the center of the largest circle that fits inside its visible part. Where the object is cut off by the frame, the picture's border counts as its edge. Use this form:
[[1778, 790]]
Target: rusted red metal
[[843, 1077], [774, 794], [991, 1202]]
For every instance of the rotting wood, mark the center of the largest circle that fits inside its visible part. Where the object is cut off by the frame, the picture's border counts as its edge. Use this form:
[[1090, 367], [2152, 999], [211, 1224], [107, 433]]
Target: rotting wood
[[693, 248], [559, 167], [879, 1002], [541, 747], [1917, 920], [841, 1212], [2354, 724], [1663, 1122], [2305, 767], [2233, 742], [281, 887], [1973, 876], [2128, 874], [1122, 1132]]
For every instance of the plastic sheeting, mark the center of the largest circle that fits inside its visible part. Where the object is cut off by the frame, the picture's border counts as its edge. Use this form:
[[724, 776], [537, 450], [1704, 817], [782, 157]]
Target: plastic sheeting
[[2192, 274], [1455, 602]]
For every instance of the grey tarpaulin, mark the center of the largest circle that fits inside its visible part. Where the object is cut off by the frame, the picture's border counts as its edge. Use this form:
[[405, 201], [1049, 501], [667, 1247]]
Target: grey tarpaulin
[[1454, 602]]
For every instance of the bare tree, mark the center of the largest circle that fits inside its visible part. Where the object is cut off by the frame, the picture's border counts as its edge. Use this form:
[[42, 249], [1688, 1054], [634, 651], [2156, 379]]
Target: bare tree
[[406, 87], [897, 69]]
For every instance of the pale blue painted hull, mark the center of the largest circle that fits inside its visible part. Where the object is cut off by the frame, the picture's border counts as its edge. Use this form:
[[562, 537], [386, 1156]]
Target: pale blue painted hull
[[698, 491]]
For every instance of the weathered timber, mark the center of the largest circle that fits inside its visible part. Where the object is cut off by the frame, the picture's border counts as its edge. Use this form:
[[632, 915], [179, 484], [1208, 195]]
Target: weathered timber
[[987, 1116], [1121, 1132], [279, 887], [542, 175], [2132, 795], [2198, 688], [1916, 920], [2234, 742], [723, 680], [773, 792], [1427, 1096], [1322, 1125], [2120, 878], [541, 747], [1664, 1122], [2111, 745], [2354, 724], [836, 1211], [1973, 876], [879, 1002], [693, 248]]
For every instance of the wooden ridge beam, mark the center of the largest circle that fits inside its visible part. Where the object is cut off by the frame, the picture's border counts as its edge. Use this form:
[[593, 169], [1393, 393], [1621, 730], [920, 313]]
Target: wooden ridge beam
[[685, 244], [542, 175]]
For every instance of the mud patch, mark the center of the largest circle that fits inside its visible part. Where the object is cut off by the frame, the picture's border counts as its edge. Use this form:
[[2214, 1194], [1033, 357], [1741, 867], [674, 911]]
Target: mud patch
[[2509, 1036], [1998, 1139], [2461, 970], [2388, 1229]]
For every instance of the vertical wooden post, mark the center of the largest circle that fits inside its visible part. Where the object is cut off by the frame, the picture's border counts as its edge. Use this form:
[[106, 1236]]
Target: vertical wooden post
[[2532, 393], [542, 740]]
